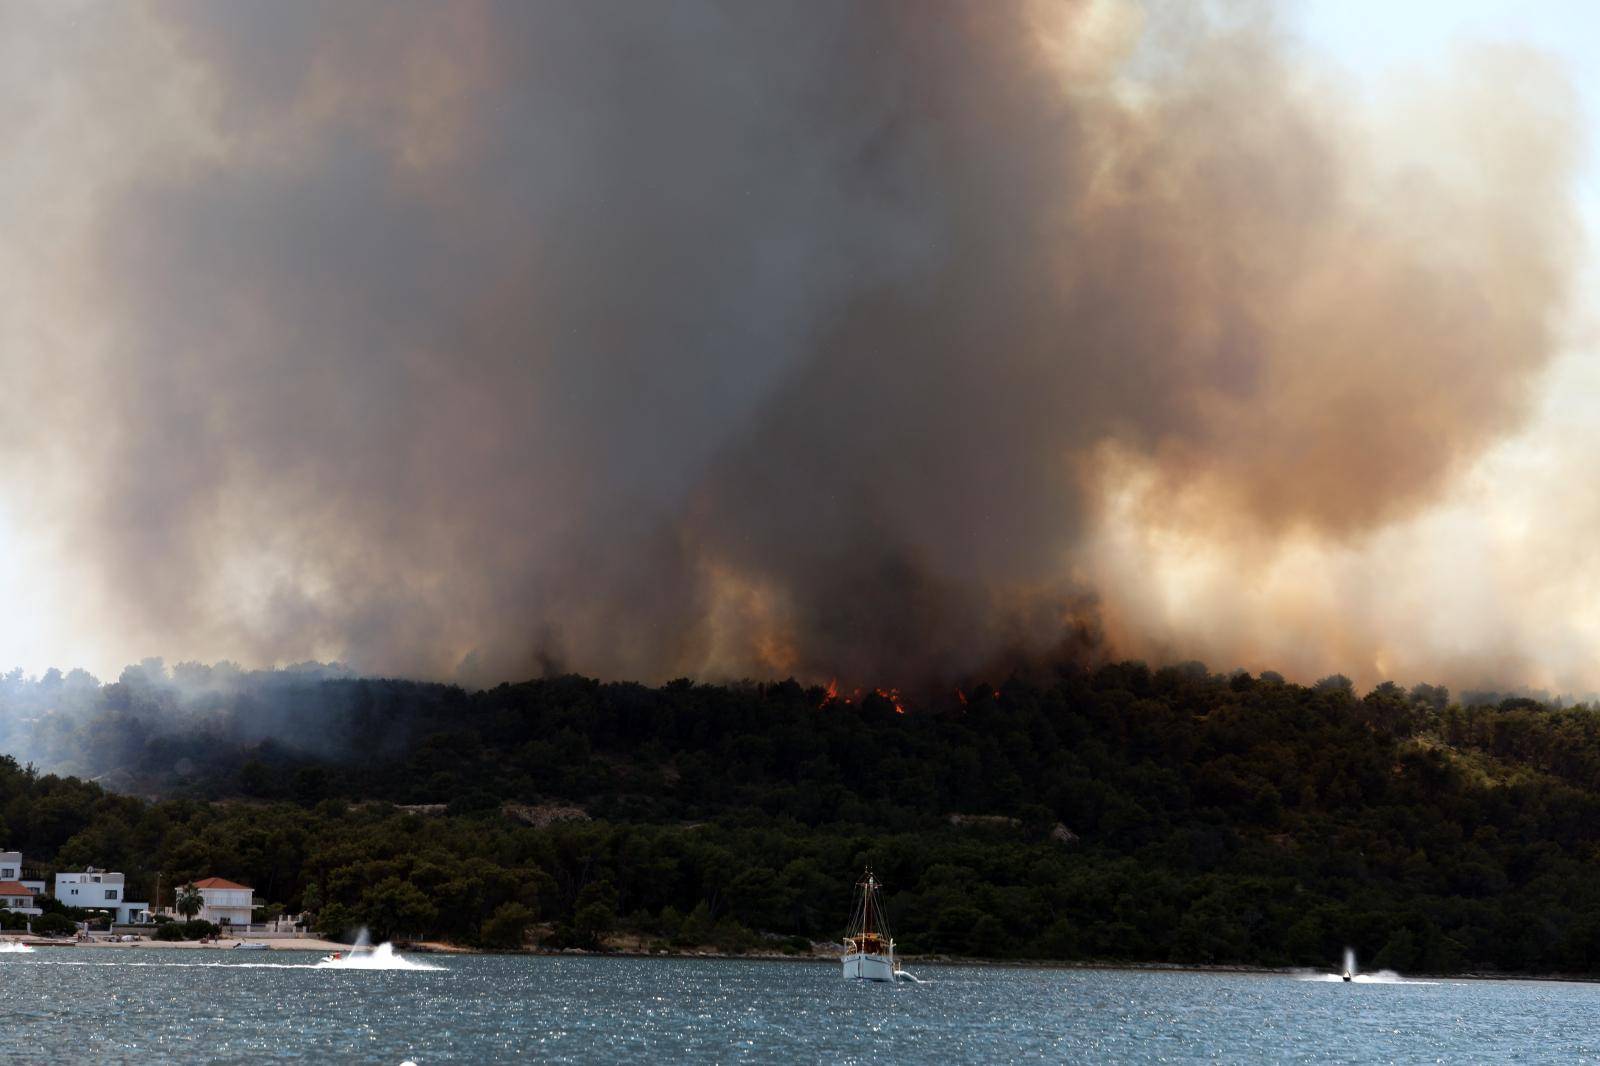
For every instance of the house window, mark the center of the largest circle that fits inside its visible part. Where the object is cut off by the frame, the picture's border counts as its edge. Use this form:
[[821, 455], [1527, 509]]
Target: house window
[[8, 872], [111, 893], [74, 892]]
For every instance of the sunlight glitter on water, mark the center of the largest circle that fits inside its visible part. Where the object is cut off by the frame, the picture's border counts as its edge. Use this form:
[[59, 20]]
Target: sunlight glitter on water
[[566, 1009]]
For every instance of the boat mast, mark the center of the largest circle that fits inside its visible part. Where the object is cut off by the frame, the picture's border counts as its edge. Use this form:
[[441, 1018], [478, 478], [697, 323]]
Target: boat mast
[[869, 924]]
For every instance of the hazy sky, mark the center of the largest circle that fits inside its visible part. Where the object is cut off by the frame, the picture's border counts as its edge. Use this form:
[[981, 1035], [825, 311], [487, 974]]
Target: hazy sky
[[1382, 43], [475, 340]]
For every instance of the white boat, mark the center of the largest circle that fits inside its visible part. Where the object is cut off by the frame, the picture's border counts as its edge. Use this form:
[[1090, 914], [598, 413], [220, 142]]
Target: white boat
[[868, 950], [251, 945]]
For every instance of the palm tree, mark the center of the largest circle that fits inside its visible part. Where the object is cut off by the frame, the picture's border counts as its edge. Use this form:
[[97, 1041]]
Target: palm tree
[[189, 901]]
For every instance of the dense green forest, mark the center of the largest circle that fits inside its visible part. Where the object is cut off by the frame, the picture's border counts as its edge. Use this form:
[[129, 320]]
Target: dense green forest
[[1119, 813]]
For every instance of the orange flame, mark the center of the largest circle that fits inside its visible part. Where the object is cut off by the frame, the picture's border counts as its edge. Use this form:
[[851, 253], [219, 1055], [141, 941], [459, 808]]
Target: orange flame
[[831, 695]]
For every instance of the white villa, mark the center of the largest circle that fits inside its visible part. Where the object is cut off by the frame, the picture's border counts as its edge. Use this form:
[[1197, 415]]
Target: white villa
[[100, 890], [226, 903]]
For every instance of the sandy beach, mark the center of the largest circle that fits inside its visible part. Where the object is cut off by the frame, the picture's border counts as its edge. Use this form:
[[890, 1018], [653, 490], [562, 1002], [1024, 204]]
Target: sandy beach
[[277, 944]]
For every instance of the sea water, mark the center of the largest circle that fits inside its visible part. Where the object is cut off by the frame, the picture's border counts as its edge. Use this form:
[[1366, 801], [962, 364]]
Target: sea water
[[113, 1005]]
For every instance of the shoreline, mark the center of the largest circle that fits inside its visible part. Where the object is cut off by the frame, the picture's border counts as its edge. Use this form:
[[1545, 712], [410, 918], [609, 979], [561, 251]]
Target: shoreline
[[437, 947]]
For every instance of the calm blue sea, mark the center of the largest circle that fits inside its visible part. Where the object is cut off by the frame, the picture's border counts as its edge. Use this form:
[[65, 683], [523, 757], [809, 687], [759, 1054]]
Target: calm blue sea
[[113, 1006]]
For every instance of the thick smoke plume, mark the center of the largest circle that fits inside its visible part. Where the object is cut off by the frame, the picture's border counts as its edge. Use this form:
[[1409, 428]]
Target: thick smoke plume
[[732, 339]]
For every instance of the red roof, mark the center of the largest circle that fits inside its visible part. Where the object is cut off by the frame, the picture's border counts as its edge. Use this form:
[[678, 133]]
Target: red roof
[[12, 888], [217, 882]]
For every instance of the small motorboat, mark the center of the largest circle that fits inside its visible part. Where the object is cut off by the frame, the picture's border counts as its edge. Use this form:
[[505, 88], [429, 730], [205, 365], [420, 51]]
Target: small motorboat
[[251, 945]]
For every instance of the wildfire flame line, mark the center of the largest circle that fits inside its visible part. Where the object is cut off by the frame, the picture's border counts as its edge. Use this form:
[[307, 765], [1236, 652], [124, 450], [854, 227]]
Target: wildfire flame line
[[831, 695]]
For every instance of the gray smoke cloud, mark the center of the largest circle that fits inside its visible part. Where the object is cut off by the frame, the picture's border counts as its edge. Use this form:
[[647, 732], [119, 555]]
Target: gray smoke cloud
[[746, 339]]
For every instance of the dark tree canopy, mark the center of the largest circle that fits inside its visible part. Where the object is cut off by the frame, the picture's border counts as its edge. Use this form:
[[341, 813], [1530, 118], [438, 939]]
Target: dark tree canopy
[[1122, 813]]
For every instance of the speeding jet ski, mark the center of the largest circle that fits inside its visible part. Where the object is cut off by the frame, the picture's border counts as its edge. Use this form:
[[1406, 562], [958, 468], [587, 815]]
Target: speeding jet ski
[[1347, 975]]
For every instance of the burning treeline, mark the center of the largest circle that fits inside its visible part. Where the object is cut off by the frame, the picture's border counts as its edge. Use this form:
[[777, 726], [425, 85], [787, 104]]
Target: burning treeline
[[753, 340]]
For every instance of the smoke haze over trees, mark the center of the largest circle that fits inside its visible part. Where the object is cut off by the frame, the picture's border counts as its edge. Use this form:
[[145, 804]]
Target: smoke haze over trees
[[483, 340]]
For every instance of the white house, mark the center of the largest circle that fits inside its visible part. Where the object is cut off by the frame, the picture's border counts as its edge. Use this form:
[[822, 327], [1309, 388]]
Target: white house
[[100, 890], [17, 897], [226, 903], [11, 870]]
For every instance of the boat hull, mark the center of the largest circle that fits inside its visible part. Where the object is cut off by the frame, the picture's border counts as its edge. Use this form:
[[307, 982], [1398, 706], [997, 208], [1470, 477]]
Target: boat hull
[[865, 967]]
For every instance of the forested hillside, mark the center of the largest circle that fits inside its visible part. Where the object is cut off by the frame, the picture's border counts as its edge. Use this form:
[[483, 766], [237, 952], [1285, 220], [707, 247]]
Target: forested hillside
[[1119, 814]]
